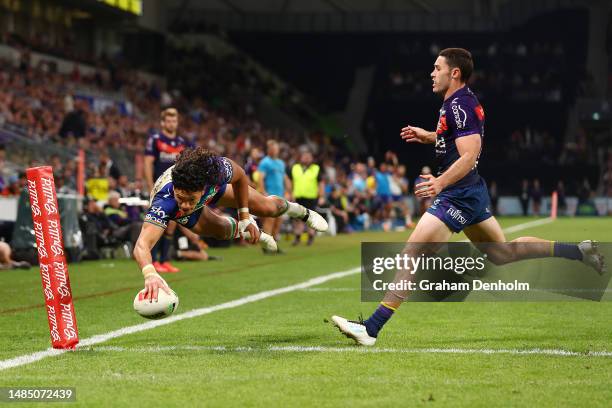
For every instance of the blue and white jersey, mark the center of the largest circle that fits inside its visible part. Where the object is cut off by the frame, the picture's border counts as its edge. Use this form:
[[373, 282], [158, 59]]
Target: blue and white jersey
[[163, 207]]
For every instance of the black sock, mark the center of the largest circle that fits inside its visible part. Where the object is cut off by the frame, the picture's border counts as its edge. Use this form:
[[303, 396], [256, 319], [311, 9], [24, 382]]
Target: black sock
[[378, 319], [568, 251]]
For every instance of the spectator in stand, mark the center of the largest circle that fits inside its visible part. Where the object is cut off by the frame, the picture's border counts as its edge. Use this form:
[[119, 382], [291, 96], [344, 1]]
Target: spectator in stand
[[399, 193], [123, 228], [250, 168], [95, 228], [524, 196], [338, 207], [536, 196], [75, 122], [561, 198]]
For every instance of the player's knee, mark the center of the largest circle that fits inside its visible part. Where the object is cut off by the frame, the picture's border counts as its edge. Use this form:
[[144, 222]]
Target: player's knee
[[269, 207]]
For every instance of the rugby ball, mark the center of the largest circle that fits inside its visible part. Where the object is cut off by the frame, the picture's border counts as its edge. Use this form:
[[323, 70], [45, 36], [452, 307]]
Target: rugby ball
[[165, 305]]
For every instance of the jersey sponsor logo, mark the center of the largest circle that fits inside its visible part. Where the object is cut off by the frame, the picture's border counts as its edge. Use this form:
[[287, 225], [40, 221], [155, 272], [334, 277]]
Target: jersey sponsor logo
[[442, 125], [459, 114], [456, 215], [167, 157], [158, 211], [440, 145], [156, 220], [183, 220]]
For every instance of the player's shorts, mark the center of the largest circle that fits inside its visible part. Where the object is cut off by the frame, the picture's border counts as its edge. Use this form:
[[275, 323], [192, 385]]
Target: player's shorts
[[461, 207], [310, 203], [191, 220]]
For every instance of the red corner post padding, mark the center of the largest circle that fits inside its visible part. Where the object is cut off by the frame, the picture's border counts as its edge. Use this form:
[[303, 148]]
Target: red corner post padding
[[53, 266]]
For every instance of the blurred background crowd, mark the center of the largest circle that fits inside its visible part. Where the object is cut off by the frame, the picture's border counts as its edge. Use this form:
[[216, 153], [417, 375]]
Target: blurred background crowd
[[65, 90]]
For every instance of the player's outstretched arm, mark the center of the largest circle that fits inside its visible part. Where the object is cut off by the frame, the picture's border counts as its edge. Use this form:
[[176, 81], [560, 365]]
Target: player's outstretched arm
[[240, 184], [149, 235], [413, 134]]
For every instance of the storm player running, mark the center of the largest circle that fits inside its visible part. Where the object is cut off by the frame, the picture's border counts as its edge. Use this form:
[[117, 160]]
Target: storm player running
[[461, 197], [182, 194]]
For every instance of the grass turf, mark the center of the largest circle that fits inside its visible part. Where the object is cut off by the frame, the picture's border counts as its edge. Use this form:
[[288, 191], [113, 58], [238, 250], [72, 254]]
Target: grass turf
[[224, 358]]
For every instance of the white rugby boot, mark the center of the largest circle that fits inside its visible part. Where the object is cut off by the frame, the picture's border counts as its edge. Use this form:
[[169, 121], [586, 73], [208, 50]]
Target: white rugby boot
[[592, 257], [354, 330], [315, 221]]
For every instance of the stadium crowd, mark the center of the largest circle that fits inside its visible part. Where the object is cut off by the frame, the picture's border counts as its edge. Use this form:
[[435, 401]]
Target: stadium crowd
[[51, 107]]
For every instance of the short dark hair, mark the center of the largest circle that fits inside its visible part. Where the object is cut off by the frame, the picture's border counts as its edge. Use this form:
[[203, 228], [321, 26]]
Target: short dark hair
[[195, 168], [459, 58]]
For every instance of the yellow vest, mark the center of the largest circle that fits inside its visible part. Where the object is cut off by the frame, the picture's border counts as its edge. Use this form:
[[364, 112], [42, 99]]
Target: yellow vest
[[305, 183]]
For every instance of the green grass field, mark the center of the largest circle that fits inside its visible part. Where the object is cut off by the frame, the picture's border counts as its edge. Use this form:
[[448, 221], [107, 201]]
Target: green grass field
[[278, 351]]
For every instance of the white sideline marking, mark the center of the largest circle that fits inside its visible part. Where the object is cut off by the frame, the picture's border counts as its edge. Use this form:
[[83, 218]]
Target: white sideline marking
[[523, 226], [100, 338], [355, 349], [327, 289], [526, 225]]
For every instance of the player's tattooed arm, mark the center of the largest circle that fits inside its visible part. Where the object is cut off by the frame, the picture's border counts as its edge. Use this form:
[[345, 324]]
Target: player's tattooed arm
[[413, 134], [240, 182]]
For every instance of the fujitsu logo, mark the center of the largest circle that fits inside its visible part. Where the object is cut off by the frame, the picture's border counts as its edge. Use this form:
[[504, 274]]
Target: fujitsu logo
[[456, 215]]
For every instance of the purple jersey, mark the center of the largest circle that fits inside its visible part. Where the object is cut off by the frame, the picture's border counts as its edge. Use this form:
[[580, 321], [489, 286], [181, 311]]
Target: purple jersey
[[165, 151], [163, 206], [461, 115]]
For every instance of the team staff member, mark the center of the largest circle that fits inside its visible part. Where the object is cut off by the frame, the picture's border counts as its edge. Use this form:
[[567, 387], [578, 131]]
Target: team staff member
[[161, 150], [308, 190], [273, 181]]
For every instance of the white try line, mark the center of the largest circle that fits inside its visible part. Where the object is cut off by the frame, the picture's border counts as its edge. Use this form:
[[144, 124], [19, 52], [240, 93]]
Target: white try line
[[101, 338], [354, 349]]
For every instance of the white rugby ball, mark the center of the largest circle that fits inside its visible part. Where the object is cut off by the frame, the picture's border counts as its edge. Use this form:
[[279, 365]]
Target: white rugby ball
[[165, 305]]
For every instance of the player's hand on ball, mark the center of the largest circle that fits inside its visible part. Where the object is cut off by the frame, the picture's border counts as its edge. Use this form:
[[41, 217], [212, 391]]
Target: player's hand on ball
[[414, 134], [153, 283], [248, 230], [429, 188]]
